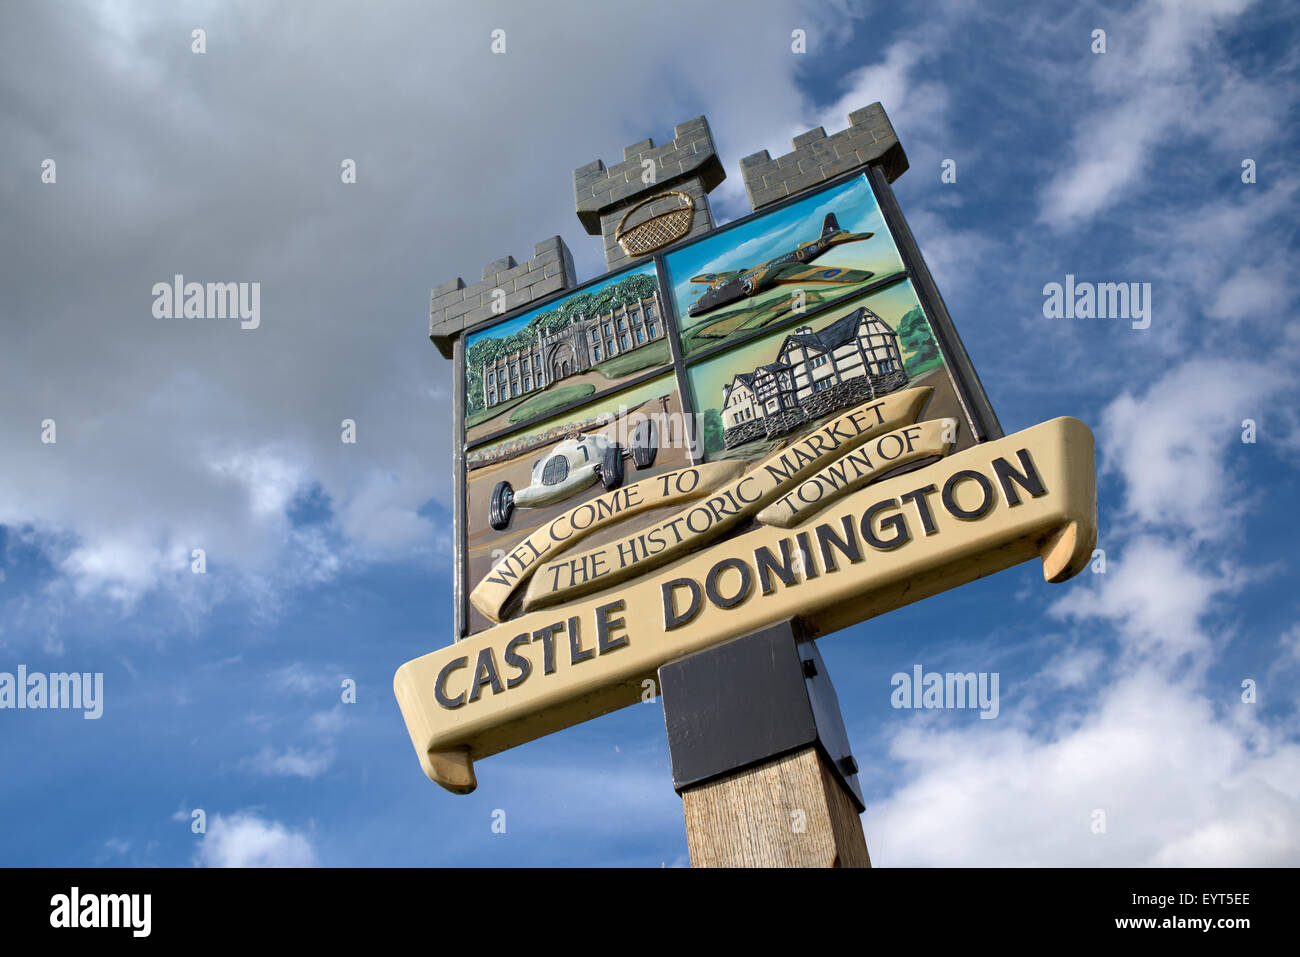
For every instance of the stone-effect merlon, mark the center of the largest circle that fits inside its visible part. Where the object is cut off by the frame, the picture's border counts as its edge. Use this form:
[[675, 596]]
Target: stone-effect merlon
[[598, 189], [816, 158], [455, 306], [687, 165]]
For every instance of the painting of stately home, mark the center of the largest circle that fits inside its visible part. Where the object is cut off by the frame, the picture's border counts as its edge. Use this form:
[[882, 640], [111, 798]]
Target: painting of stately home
[[573, 348], [562, 354], [850, 361]]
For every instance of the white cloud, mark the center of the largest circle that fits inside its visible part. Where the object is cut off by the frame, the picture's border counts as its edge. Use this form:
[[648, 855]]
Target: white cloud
[[1223, 257], [301, 677], [1160, 57], [329, 722], [382, 513], [1178, 445], [316, 752], [268, 478], [292, 762], [1290, 642], [124, 567], [1112, 151], [1184, 772], [1253, 825], [1250, 291], [1155, 594], [244, 839], [1177, 782], [957, 257], [1074, 667], [898, 82]]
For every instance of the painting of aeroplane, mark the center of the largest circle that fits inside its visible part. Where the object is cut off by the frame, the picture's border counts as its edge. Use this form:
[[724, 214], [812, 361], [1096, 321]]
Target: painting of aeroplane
[[763, 272], [791, 269]]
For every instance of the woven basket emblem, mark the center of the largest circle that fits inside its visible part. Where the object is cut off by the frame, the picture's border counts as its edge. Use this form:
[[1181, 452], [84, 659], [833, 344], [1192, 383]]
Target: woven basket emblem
[[657, 231]]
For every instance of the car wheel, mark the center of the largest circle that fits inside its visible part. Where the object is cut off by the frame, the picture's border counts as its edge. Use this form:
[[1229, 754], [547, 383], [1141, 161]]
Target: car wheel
[[502, 506], [611, 469], [645, 444]]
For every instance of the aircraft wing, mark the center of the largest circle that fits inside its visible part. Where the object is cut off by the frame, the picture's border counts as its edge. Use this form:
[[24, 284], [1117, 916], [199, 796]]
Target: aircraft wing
[[817, 274], [712, 277]]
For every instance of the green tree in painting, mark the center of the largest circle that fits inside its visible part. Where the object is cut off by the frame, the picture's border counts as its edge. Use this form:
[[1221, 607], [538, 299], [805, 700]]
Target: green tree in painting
[[624, 292], [713, 440], [917, 341]]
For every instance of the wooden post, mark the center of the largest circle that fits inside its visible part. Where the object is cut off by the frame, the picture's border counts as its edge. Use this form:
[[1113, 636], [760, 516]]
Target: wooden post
[[760, 756], [790, 812]]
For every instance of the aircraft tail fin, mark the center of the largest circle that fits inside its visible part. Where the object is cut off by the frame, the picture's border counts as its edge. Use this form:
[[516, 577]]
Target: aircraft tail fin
[[830, 225]]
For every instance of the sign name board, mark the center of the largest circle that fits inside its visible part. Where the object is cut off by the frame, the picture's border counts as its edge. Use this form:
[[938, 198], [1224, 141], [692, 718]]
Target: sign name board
[[774, 419], [890, 543]]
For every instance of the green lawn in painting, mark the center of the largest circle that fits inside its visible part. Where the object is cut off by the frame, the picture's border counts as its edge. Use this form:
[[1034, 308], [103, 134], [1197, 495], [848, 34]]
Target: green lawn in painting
[[482, 415], [646, 357], [764, 310], [549, 400]]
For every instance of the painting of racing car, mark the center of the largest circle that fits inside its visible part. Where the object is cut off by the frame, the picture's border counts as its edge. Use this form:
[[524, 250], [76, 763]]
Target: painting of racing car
[[571, 466]]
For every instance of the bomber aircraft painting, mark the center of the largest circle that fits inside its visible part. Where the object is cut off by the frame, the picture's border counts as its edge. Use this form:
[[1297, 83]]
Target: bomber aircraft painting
[[728, 287], [767, 270]]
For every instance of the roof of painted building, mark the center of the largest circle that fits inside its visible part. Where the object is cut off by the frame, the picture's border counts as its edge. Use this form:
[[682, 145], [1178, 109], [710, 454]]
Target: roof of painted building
[[839, 333]]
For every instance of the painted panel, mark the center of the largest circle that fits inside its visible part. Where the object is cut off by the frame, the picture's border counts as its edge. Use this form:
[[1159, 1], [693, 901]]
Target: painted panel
[[758, 274]]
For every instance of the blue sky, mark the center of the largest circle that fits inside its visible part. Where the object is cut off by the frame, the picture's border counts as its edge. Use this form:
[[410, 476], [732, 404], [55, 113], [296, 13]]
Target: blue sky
[[327, 561]]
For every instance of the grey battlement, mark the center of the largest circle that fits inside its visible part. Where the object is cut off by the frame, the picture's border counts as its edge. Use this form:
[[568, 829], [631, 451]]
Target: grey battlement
[[455, 306], [816, 157], [687, 163]]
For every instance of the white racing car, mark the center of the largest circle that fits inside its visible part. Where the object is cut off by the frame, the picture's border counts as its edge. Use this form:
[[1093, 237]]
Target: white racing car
[[574, 465]]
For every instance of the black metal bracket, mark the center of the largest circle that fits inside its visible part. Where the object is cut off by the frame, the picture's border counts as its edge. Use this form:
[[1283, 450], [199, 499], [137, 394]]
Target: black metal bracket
[[750, 700]]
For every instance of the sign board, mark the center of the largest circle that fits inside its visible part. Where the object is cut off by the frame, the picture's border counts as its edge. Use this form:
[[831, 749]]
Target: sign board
[[777, 418]]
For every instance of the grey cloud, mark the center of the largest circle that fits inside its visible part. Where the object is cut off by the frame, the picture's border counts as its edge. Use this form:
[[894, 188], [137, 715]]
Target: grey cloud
[[224, 166]]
